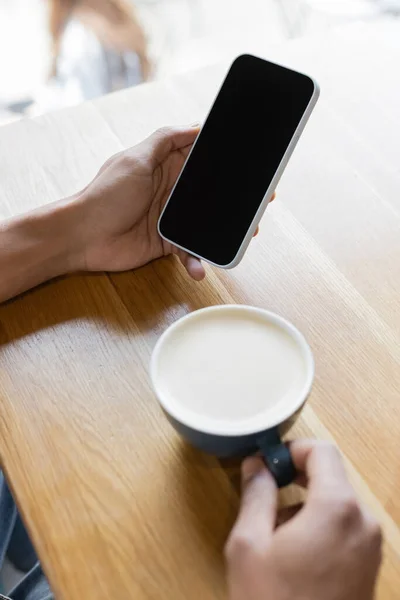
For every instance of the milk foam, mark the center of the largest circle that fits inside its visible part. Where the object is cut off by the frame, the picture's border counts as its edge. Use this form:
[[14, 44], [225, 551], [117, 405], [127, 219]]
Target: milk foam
[[231, 366]]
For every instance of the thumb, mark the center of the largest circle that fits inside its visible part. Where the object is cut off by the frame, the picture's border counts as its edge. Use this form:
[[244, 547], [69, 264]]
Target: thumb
[[168, 139], [259, 503]]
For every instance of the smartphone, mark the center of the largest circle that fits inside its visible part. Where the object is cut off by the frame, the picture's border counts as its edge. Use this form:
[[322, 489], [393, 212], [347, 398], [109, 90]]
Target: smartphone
[[237, 160]]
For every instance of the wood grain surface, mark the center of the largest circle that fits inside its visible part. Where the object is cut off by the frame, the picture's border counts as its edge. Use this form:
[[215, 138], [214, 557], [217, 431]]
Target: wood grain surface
[[117, 505]]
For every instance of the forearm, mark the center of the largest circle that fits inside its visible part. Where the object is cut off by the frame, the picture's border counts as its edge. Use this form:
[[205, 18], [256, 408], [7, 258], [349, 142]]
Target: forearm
[[36, 247]]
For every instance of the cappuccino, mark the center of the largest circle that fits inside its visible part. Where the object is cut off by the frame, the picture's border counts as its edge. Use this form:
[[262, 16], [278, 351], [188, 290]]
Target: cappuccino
[[231, 366]]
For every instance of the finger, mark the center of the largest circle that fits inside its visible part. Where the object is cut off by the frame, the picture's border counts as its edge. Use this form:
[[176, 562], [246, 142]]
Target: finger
[[193, 266], [321, 465], [258, 509], [166, 140], [257, 231], [185, 151], [287, 513]]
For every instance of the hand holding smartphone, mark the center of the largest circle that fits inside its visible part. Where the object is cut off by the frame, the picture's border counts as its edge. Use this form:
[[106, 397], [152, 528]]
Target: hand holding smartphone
[[237, 160]]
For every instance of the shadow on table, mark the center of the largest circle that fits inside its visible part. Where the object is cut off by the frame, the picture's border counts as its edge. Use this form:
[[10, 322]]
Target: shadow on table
[[159, 294], [76, 299], [144, 301]]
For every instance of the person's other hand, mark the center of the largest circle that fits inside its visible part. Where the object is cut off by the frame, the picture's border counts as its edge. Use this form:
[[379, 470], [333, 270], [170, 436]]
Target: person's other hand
[[118, 211], [330, 550]]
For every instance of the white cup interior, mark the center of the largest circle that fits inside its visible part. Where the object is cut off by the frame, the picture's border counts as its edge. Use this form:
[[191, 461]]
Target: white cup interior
[[201, 422]]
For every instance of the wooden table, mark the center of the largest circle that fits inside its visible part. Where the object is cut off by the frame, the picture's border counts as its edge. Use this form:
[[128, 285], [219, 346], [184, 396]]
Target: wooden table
[[116, 505]]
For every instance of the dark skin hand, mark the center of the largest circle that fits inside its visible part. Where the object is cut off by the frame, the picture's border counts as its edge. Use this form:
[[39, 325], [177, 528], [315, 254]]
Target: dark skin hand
[[125, 233], [111, 225], [328, 549]]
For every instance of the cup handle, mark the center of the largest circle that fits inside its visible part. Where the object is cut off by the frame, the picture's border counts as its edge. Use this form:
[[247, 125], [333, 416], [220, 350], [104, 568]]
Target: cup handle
[[277, 457]]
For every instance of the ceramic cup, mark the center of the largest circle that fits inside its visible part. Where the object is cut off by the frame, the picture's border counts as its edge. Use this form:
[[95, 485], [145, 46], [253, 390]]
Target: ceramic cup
[[263, 434]]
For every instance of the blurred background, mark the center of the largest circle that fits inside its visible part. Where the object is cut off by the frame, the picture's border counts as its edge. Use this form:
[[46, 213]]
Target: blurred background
[[56, 53]]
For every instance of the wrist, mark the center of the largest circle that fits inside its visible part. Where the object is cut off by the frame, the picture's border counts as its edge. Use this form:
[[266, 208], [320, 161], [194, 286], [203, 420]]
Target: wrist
[[48, 233], [36, 247]]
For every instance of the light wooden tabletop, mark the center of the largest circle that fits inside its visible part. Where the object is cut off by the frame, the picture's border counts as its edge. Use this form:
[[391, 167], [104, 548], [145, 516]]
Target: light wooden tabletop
[[116, 505]]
